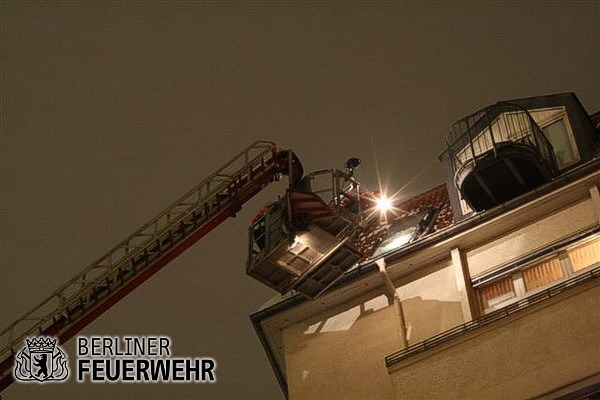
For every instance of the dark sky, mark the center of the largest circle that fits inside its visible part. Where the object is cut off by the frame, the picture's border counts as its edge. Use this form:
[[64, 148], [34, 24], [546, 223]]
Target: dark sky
[[111, 111]]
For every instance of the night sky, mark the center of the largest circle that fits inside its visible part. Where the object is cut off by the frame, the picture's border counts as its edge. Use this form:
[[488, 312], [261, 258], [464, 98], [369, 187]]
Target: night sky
[[110, 111]]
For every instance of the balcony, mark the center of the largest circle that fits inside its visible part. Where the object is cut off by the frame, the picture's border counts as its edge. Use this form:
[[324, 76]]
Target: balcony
[[497, 154]]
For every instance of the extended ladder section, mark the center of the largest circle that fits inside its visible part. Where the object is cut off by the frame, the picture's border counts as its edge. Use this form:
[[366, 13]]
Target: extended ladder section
[[154, 245]]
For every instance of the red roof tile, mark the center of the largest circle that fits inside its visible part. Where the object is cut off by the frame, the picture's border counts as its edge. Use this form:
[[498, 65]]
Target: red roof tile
[[436, 198]]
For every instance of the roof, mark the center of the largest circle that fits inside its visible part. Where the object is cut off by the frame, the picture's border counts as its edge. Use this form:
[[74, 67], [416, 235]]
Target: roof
[[436, 199]]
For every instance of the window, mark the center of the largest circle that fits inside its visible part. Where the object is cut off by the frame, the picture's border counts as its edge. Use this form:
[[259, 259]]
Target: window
[[542, 274], [584, 256], [406, 230], [557, 129], [560, 139], [497, 292], [557, 265]]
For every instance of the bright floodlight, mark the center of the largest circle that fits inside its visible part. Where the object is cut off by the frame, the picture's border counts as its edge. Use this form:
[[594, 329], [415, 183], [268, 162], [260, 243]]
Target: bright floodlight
[[384, 204]]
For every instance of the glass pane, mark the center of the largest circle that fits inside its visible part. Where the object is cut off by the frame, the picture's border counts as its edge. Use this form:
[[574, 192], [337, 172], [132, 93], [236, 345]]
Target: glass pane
[[542, 274], [404, 231], [558, 136], [586, 255]]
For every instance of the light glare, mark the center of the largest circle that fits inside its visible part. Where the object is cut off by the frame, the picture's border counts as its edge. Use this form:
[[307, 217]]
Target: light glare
[[296, 241], [398, 241], [384, 204]]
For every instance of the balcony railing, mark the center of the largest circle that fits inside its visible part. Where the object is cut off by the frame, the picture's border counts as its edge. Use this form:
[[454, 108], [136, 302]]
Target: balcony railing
[[491, 317], [492, 127], [497, 154]]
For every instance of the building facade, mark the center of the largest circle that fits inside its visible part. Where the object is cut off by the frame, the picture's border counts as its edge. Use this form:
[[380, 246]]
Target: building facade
[[485, 287]]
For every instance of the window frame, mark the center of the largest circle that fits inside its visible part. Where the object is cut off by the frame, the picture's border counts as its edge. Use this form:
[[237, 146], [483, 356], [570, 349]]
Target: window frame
[[563, 115]]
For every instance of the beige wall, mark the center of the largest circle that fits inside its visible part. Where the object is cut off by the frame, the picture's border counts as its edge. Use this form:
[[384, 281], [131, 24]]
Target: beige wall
[[514, 245], [431, 304], [521, 356], [339, 354]]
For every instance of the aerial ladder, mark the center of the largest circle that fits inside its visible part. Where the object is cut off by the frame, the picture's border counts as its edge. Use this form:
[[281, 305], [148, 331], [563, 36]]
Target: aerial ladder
[[304, 242]]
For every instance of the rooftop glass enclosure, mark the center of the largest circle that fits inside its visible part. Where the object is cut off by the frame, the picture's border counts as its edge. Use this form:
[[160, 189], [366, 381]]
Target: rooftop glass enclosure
[[498, 153]]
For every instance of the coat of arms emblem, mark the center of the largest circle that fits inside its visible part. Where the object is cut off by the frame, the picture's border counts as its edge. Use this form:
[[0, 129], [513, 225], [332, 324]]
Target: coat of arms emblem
[[41, 360]]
